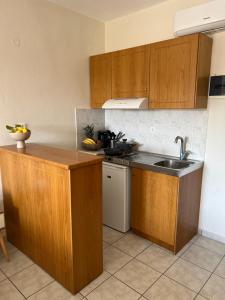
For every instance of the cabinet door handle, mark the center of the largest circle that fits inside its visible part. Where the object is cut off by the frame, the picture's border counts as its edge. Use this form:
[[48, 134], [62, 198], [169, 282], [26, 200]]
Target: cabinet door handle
[[109, 177]]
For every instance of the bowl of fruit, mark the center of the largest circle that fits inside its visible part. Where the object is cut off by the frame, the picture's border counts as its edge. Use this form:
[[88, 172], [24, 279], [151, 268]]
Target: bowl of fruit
[[89, 142], [19, 133]]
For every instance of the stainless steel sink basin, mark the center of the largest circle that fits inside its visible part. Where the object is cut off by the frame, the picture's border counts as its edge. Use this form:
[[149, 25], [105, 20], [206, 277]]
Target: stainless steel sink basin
[[173, 164]]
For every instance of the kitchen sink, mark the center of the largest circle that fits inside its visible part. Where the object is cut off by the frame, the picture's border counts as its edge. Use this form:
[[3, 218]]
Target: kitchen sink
[[173, 164]]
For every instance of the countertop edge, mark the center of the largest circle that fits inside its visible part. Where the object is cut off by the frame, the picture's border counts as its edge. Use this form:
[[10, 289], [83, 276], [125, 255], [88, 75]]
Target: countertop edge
[[52, 162]]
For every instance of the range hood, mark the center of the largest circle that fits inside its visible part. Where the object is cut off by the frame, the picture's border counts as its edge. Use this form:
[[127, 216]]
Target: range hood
[[126, 103]]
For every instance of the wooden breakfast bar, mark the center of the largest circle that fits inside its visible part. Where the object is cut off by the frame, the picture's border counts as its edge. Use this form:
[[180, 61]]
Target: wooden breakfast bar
[[53, 210]]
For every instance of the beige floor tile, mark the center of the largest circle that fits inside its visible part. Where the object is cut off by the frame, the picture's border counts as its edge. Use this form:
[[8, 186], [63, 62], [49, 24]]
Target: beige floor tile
[[210, 244], [95, 283], [214, 288], [31, 280], [184, 249], [188, 274], [166, 288], [114, 259], [9, 292], [18, 262], [188, 245], [132, 244], [220, 270], [202, 257], [54, 291], [158, 258], [105, 245], [10, 248], [110, 235], [199, 297], [113, 289], [138, 276], [2, 276]]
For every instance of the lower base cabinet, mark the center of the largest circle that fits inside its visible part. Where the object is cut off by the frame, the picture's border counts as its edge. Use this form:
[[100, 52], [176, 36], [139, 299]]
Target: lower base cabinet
[[165, 209]]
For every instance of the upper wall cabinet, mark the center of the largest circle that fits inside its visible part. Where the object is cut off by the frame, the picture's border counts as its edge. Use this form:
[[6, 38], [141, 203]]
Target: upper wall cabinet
[[130, 72], [100, 79], [172, 73], [179, 72]]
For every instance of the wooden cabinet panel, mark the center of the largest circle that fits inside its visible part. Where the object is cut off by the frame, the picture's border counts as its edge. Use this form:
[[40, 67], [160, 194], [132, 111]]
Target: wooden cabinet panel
[[53, 214], [140, 202], [188, 208], [179, 72], [130, 72], [173, 73], [154, 204], [100, 77], [165, 209]]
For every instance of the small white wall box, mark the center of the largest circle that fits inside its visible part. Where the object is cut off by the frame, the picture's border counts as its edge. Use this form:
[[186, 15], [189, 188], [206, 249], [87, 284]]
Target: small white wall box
[[201, 18], [217, 86]]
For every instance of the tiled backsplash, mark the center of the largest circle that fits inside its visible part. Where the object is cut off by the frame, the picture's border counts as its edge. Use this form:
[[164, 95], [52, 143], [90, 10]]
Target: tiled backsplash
[[84, 116], [155, 130]]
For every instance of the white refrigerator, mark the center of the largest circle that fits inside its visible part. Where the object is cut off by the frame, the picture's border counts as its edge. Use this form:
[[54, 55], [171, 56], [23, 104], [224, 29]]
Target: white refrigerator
[[116, 196]]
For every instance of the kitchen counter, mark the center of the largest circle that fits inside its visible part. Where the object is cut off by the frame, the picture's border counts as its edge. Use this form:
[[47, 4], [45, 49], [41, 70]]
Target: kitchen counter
[[146, 160], [53, 210], [66, 159]]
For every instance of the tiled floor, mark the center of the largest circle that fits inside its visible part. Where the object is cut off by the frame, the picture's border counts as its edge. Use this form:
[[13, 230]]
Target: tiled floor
[[133, 269]]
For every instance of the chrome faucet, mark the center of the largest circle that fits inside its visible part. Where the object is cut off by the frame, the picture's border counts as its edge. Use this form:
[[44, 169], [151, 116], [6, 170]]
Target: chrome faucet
[[183, 153]]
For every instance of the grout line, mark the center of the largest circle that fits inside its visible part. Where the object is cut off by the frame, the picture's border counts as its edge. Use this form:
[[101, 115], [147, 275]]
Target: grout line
[[185, 259], [18, 271], [112, 275], [196, 244], [130, 254], [135, 257], [97, 285], [41, 289], [127, 285], [211, 275], [15, 287]]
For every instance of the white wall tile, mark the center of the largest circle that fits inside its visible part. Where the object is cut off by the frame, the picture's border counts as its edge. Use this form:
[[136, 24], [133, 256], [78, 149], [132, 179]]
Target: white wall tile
[[156, 130], [84, 116]]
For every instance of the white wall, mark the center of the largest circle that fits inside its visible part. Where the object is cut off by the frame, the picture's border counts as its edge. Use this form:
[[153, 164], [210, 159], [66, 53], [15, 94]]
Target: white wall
[[44, 73], [212, 220], [146, 26], [156, 24]]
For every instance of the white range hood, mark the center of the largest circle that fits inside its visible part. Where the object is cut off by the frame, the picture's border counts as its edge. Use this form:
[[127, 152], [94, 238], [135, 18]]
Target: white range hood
[[126, 103]]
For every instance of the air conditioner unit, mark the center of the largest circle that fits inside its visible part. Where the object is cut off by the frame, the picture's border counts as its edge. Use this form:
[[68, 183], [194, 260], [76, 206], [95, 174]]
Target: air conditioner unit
[[201, 18]]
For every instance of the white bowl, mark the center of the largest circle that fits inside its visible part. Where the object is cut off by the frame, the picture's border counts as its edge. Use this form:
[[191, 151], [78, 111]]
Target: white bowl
[[20, 138]]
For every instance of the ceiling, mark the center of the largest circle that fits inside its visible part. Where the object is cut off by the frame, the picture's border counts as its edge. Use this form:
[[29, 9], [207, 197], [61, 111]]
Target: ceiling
[[105, 10]]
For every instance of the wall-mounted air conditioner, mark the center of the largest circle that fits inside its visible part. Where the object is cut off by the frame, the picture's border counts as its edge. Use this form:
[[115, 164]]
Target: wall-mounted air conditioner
[[201, 18]]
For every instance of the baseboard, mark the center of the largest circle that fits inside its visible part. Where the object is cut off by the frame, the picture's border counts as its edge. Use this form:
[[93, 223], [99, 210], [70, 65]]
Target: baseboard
[[212, 235]]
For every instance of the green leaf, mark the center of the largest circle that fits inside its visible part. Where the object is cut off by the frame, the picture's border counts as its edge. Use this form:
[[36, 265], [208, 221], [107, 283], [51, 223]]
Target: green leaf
[[9, 127]]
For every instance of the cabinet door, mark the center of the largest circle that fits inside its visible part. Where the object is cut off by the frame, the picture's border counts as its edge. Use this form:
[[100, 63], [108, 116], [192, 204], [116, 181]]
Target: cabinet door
[[100, 79], [173, 71], [154, 205], [130, 72]]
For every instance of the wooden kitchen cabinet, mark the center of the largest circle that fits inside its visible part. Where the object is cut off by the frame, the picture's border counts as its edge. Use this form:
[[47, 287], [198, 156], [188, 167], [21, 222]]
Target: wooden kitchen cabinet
[[165, 208], [100, 79], [53, 210], [171, 74], [130, 72], [179, 72]]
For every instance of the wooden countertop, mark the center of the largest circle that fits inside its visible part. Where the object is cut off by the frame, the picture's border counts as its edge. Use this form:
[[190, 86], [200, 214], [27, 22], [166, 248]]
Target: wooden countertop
[[67, 159]]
